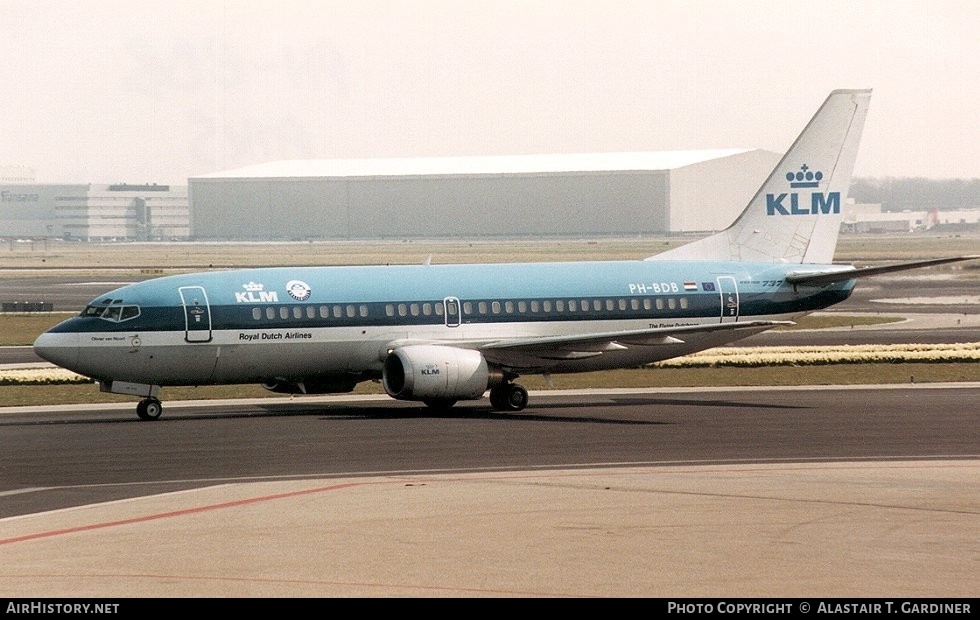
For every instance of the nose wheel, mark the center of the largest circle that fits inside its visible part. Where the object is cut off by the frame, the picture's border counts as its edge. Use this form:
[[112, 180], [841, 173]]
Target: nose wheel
[[508, 397], [149, 409]]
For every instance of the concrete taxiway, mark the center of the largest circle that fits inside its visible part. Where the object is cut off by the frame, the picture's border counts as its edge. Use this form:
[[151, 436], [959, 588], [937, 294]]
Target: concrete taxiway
[[827, 529]]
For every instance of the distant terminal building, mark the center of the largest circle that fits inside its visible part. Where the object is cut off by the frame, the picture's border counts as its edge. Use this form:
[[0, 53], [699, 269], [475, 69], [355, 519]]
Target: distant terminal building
[[870, 218], [89, 212], [126, 212], [964, 220], [530, 195]]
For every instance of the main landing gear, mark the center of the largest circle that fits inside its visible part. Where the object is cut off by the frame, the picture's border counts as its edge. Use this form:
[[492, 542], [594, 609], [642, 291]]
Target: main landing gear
[[508, 397], [149, 409]]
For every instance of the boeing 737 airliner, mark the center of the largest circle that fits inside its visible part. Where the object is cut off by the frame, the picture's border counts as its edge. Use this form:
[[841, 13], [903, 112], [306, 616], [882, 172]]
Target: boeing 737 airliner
[[445, 333]]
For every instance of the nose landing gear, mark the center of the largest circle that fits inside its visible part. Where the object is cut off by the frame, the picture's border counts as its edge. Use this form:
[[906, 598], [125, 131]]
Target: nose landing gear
[[149, 408]]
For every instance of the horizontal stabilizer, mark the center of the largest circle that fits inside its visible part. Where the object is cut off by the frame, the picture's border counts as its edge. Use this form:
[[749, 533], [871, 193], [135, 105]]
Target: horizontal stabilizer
[[842, 274]]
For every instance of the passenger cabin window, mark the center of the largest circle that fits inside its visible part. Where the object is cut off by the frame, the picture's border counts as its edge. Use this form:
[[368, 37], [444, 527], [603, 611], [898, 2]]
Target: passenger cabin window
[[116, 310]]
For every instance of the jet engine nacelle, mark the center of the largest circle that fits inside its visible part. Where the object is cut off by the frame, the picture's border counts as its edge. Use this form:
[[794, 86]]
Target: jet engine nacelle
[[424, 372]]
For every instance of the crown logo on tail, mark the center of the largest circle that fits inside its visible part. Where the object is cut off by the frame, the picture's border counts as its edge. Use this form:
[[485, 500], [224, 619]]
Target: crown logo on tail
[[804, 178]]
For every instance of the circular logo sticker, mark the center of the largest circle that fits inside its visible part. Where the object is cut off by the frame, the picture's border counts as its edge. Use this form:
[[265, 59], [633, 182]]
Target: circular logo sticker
[[298, 290]]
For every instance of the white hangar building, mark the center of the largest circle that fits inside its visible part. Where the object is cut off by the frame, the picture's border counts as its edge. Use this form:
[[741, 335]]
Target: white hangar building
[[607, 194]]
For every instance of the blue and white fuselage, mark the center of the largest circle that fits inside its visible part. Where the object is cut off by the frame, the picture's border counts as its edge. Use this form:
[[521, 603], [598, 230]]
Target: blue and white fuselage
[[336, 326]]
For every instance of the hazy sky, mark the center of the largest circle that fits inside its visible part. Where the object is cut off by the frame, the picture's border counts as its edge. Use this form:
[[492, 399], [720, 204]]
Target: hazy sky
[[134, 91]]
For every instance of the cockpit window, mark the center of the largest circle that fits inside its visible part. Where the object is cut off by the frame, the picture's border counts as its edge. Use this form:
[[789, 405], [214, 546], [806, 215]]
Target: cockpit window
[[117, 312], [112, 313], [93, 311]]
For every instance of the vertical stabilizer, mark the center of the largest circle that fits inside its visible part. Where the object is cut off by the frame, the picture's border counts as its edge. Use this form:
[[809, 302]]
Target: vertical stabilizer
[[796, 214]]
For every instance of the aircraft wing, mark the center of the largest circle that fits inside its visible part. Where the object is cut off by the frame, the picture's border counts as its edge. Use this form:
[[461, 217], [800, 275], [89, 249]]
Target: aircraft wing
[[534, 352], [844, 273]]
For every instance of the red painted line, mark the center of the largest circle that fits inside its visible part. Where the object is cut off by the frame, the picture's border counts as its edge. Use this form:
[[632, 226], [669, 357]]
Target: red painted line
[[301, 582], [180, 513], [792, 467]]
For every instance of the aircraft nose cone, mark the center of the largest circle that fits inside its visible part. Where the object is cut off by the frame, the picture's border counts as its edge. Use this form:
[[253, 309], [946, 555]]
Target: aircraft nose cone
[[61, 349]]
